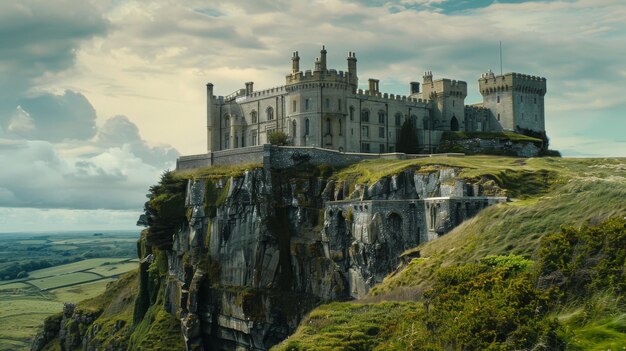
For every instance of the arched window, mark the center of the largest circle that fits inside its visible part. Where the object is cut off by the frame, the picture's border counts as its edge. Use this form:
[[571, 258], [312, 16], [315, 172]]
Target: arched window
[[227, 121], [340, 127], [498, 98], [398, 119], [454, 124], [253, 116], [365, 115], [293, 129], [306, 127], [327, 126], [381, 117], [352, 113], [270, 113]]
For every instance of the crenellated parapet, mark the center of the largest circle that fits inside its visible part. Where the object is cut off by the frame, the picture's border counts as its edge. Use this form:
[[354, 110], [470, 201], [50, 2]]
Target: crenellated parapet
[[385, 97], [490, 83], [309, 76]]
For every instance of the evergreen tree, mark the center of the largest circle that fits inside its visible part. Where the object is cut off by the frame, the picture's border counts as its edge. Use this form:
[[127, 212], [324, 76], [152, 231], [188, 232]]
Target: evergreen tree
[[407, 139]]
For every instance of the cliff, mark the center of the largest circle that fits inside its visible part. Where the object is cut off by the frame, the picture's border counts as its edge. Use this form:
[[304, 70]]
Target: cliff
[[236, 257]]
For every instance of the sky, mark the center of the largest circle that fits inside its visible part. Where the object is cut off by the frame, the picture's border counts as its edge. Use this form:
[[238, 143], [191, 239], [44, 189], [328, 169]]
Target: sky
[[97, 98]]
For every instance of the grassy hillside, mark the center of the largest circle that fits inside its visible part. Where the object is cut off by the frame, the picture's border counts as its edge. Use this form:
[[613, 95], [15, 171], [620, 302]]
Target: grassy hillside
[[523, 295]]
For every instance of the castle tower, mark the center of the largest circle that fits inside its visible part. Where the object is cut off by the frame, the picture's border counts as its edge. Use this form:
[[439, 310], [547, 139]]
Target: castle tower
[[515, 100], [449, 97], [353, 78], [213, 138]]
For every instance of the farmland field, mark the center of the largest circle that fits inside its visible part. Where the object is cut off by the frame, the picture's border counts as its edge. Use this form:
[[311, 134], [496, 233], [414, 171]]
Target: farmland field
[[73, 274], [74, 267]]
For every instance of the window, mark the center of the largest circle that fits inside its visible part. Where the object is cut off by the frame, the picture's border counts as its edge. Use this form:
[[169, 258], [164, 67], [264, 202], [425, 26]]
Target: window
[[365, 131], [352, 113], [253, 137], [535, 100], [327, 103], [498, 116], [398, 119], [226, 140], [306, 127], [293, 106], [339, 105], [327, 126], [365, 116], [452, 103], [340, 127], [425, 122], [351, 131], [381, 132], [270, 113], [381, 117], [521, 98], [253, 116], [498, 98], [293, 129], [381, 148], [535, 117], [226, 121], [365, 147], [306, 104]]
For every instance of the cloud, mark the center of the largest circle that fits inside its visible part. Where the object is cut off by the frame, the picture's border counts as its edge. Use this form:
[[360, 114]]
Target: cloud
[[39, 176], [54, 117], [41, 37]]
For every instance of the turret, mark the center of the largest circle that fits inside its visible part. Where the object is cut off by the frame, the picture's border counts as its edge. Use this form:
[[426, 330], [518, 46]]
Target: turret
[[323, 59], [353, 79], [295, 63], [212, 130]]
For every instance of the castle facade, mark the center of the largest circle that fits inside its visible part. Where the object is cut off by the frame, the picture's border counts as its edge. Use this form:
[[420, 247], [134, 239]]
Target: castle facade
[[325, 108]]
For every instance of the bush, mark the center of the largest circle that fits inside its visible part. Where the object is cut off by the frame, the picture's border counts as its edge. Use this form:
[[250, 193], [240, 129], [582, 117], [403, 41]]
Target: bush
[[278, 138]]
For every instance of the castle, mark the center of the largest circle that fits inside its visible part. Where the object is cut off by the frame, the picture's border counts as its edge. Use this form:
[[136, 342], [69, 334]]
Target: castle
[[324, 108]]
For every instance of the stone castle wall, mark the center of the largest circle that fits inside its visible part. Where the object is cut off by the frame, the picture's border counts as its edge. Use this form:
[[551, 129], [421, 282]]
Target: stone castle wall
[[281, 157]]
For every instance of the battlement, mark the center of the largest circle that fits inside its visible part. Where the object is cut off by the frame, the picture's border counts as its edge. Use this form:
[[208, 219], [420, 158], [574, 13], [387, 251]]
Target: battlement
[[240, 94], [367, 95], [490, 83], [331, 75]]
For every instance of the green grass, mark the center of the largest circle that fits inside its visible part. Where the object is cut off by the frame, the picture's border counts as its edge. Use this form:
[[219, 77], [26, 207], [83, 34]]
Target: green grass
[[73, 267], [604, 334], [114, 269], [216, 172], [489, 135], [347, 326], [13, 286], [80, 292], [63, 280]]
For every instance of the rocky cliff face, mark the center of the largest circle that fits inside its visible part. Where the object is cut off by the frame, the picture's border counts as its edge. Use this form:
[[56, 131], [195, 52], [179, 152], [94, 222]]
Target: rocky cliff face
[[257, 251]]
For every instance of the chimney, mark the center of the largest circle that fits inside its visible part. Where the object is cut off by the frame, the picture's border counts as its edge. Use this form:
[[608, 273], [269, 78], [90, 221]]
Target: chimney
[[323, 59], [353, 78], [249, 87], [373, 86], [295, 63], [415, 87]]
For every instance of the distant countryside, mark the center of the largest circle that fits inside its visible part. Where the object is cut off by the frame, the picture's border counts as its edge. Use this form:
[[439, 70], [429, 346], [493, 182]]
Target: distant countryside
[[39, 272]]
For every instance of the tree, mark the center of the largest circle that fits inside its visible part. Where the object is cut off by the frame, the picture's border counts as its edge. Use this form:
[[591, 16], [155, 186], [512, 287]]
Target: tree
[[278, 138], [407, 140]]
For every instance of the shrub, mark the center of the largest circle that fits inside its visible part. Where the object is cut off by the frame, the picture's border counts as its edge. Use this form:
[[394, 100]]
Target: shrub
[[278, 138]]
